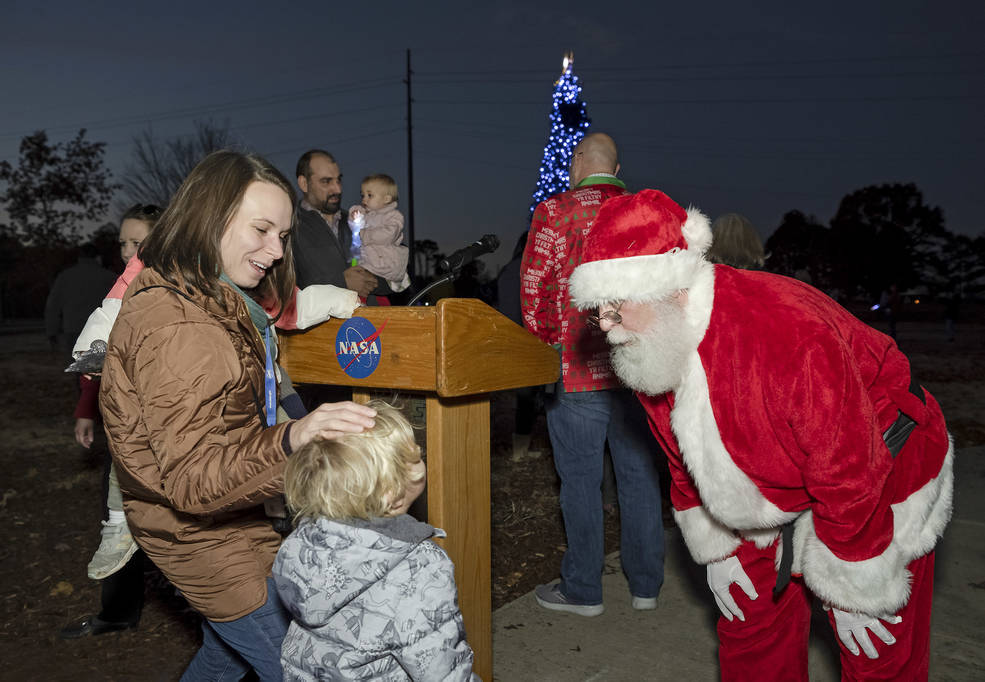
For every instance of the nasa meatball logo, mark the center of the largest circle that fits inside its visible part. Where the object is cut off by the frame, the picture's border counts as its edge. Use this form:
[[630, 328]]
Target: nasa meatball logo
[[358, 347]]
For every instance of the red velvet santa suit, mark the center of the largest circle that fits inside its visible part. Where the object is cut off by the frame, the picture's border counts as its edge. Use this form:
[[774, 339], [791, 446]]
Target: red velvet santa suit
[[779, 418]]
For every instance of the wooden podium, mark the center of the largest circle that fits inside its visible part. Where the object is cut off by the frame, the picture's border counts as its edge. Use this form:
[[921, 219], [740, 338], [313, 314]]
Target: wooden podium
[[453, 353]]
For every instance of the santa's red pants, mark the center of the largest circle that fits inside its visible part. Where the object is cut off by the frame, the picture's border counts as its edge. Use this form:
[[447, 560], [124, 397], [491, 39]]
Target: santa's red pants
[[772, 642]]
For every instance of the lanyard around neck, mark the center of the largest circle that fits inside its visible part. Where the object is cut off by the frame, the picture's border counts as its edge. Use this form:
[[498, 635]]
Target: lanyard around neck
[[269, 380]]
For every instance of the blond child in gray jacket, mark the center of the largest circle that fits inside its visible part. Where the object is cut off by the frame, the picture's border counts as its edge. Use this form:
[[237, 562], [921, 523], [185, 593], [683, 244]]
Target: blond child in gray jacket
[[370, 594]]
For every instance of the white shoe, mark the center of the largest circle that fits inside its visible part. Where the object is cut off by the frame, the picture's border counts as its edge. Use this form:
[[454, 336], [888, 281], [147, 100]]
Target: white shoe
[[644, 603], [115, 550]]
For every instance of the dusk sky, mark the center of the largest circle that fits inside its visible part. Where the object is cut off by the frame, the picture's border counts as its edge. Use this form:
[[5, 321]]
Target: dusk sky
[[757, 108]]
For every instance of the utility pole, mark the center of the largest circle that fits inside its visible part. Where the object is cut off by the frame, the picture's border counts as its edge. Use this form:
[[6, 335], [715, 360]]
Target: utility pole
[[410, 174]]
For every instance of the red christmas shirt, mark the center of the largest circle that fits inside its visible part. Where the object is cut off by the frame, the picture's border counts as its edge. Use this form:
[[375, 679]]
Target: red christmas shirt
[[553, 251]]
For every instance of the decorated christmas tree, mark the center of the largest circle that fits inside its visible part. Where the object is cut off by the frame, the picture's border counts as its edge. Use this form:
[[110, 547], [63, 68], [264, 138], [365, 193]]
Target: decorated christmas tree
[[569, 121]]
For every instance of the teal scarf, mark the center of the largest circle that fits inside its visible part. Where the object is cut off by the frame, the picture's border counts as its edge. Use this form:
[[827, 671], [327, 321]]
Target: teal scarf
[[262, 323], [257, 313]]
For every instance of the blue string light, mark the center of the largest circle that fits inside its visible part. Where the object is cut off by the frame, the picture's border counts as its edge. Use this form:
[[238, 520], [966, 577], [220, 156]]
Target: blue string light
[[569, 121]]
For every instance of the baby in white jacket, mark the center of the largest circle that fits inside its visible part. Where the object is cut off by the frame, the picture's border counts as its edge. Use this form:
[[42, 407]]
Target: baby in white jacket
[[378, 230]]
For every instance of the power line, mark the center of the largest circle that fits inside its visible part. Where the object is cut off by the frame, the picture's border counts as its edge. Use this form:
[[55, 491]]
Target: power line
[[477, 134], [630, 144], [730, 100], [758, 139], [335, 141], [788, 155], [705, 65], [279, 121], [208, 109], [378, 57], [481, 162], [797, 100], [331, 114], [729, 78], [496, 126]]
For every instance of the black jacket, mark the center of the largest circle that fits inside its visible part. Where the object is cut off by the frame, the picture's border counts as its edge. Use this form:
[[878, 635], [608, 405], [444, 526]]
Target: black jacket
[[322, 258]]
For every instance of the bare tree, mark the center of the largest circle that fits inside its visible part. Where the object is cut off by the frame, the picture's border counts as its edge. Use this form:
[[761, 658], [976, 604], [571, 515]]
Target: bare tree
[[158, 166]]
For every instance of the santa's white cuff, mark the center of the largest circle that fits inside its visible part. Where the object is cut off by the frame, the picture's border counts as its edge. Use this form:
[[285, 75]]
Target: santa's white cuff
[[318, 302], [706, 539], [879, 585]]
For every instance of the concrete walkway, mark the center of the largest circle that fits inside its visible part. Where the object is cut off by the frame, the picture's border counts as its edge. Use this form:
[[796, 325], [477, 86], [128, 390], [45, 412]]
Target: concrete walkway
[[678, 642]]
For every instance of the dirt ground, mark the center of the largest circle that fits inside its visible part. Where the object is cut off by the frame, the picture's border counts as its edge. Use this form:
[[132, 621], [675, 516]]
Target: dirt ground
[[50, 508]]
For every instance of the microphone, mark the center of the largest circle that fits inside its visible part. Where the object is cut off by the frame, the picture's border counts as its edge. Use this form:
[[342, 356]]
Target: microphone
[[487, 244]]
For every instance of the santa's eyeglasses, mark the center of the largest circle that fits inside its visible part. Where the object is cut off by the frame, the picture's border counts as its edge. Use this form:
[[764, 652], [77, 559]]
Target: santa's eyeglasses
[[610, 316]]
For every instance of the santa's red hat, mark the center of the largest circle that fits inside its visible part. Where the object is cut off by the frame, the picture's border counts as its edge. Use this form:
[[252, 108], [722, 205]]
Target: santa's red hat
[[641, 247]]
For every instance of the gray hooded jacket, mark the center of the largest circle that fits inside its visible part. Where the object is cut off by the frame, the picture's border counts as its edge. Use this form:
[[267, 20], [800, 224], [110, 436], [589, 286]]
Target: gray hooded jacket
[[370, 600]]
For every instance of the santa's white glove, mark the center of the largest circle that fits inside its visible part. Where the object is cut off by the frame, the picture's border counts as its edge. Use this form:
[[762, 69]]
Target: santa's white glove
[[723, 573], [852, 628]]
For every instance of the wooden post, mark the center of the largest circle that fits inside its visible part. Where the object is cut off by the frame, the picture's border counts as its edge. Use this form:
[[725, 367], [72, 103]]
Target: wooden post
[[459, 503]]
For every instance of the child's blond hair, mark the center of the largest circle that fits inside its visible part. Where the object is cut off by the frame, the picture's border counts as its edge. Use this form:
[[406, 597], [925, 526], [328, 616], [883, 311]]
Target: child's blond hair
[[388, 184], [356, 476]]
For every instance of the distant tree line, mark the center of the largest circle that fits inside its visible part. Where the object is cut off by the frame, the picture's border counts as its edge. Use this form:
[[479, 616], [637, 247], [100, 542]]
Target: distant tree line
[[881, 235], [57, 191]]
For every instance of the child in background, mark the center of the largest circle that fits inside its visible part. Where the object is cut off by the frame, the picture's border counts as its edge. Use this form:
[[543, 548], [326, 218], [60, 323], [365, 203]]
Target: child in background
[[378, 230], [116, 545], [371, 595], [116, 562]]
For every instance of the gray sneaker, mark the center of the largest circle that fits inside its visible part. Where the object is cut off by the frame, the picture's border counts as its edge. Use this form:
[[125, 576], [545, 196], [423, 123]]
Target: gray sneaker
[[115, 550], [551, 597], [644, 603]]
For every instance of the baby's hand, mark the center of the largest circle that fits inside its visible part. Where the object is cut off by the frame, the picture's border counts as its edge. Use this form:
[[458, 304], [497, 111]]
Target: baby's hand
[[357, 216]]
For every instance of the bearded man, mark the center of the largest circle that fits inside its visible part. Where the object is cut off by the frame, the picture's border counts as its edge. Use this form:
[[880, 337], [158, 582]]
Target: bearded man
[[805, 460]]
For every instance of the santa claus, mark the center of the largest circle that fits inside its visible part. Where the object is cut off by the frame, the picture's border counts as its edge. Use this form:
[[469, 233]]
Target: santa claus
[[805, 459]]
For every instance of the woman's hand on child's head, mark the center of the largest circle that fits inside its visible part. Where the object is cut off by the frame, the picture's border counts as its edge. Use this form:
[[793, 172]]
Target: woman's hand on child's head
[[332, 420]]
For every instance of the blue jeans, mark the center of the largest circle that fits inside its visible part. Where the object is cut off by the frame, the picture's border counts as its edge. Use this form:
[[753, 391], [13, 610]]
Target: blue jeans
[[579, 424], [230, 649]]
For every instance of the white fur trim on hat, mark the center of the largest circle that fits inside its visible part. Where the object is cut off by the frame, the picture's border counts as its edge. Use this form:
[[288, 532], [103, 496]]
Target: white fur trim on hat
[[697, 231], [643, 278]]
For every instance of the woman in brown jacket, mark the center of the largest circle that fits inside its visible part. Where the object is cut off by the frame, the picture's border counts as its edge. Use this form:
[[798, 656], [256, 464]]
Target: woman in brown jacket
[[189, 399]]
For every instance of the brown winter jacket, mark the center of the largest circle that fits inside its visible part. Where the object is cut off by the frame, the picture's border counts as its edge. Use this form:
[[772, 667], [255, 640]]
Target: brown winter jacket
[[181, 397]]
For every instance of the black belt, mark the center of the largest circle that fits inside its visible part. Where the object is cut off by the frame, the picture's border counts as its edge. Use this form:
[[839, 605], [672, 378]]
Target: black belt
[[897, 433], [895, 438]]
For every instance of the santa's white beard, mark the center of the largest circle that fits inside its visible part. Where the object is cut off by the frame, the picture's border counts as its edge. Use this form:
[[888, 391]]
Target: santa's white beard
[[653, 361]]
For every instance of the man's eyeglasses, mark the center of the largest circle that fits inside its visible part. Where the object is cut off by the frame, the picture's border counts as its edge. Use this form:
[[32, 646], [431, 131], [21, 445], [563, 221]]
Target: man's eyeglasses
[[610, 316]]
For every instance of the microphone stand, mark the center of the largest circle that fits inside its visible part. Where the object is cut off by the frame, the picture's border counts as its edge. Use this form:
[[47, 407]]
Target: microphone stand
[[447, 278], [490, 242]]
